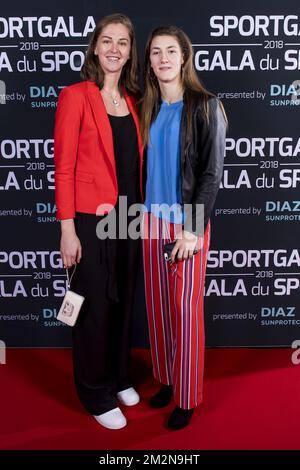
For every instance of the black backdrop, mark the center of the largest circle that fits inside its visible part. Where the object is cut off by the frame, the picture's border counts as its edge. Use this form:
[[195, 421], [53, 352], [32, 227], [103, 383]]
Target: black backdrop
[[250, 57]]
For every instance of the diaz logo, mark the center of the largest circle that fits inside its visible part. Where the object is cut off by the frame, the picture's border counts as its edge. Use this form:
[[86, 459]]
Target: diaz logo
[[286, 94]]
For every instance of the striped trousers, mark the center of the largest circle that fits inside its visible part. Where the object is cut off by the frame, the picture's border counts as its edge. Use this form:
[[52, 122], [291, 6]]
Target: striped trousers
[[174, 300]]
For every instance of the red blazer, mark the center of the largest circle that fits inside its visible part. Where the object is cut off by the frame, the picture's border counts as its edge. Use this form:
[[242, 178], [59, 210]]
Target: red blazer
[[85, 171]]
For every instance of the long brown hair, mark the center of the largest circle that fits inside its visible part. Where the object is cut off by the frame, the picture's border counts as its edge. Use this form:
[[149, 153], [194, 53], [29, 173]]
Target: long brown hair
[[191, 84], [92, 70]]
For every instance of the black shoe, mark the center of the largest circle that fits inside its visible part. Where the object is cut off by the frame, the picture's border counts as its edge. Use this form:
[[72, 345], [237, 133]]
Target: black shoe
[[180, 418], [161, 398]]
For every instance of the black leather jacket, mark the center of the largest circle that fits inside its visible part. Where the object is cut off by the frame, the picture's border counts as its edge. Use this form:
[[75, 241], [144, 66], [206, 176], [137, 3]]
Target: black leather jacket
[[201, 161]]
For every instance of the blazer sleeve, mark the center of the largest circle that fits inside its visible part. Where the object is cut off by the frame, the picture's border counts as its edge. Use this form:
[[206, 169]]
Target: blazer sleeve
[[66, 135], [212, 136]]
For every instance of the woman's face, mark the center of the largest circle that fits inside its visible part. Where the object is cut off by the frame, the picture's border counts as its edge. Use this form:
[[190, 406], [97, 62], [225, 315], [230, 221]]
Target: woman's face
[[113, 47], [166, 58]]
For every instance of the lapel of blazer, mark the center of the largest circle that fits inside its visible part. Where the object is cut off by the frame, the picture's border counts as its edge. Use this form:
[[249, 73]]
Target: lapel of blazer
[[102, 121], [103, 124]]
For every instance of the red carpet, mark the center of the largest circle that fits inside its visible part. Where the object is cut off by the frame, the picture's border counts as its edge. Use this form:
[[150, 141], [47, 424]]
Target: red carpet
[[251, 401]]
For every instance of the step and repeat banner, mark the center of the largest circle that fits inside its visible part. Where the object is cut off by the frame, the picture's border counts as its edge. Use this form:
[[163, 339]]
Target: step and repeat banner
[[250, 58]]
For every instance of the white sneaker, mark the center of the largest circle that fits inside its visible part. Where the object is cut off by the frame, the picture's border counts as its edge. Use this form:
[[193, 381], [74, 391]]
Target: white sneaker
[[112, 419], [128, 397]]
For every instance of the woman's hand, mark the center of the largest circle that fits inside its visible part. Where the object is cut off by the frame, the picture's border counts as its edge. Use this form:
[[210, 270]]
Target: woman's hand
[[70, 246], [185, 246]]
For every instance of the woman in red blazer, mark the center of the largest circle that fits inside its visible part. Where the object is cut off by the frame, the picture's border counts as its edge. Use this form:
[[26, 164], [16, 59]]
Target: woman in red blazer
[[98, 157]]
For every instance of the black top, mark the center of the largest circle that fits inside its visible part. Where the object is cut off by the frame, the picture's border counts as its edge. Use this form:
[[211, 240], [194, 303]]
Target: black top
[[126, 156]]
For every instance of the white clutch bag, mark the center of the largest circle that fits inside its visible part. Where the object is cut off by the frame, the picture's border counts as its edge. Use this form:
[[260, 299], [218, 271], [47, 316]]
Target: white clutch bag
[[70, 308]]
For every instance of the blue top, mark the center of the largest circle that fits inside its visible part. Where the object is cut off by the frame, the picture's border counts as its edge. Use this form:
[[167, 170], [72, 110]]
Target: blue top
[[163, 164]]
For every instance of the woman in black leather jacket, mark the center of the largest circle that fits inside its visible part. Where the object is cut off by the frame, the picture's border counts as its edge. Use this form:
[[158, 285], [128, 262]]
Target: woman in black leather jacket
[[183, 128]]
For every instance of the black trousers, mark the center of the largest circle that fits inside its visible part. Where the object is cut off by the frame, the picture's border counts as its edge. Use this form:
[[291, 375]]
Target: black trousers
[[106, 277]]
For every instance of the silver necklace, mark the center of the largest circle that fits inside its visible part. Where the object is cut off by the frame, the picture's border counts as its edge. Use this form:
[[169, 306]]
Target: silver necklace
[[115, 101]]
